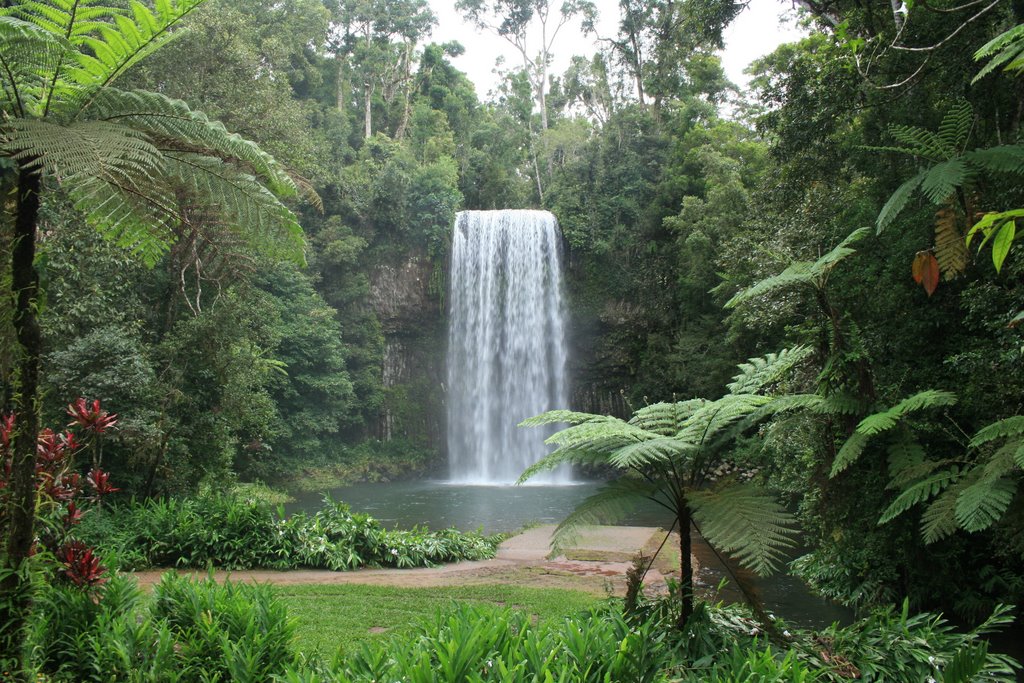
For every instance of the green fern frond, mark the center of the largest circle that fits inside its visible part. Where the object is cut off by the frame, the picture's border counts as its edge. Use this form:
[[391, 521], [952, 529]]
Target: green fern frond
[[744, 521], [712, 421], [981, 504], [898, 201], [1006, 47], [798, 273], [178, 128], [999, 159], [601, 429], [29, 56], [812, 403], [666, 419], [71, 19], [955, 128], [247, 204], [646, 453], [938, 521], [1001, 429], [757, 373], [133, 218], [98, 148], [558, 416], [941, 180], [123, 41], [610, 504], [919, 492], [921, 141], [561, 456], [849, 452]]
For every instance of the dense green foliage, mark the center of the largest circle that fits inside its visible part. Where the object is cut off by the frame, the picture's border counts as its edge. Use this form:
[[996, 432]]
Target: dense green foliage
[[234, 533]]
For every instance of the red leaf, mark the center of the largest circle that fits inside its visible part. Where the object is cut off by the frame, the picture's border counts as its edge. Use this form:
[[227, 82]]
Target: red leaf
[[925, 271]]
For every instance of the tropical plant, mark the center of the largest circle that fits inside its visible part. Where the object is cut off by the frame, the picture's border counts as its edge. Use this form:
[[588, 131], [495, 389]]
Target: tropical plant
[[969, 491], [947, 183], [139, 165], [674, 454]]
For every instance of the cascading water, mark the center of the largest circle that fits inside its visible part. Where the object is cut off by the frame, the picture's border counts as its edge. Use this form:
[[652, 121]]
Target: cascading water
[[506, 343]]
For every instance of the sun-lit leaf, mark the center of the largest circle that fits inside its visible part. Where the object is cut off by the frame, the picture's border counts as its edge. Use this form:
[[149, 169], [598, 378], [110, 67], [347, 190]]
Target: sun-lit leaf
[[1002, 242]]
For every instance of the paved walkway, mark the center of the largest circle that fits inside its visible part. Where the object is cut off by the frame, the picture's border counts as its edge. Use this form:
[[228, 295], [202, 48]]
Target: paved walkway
[[597, 562]]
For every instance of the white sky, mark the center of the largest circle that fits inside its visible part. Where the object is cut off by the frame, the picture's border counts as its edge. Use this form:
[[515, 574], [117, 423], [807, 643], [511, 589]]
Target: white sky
[[756, 32]]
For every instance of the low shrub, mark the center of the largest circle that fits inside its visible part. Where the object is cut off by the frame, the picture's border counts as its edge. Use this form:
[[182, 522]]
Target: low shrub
[[236, 533]]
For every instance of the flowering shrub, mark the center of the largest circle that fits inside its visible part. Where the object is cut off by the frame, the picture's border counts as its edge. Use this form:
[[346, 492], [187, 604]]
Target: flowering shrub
[[63, 497]]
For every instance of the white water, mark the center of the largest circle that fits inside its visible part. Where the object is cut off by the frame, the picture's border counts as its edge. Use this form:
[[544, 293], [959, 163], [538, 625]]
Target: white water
[[506, 344]]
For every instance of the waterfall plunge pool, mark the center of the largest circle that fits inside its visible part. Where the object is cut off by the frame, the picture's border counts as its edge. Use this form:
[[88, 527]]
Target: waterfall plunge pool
[[498, 509]]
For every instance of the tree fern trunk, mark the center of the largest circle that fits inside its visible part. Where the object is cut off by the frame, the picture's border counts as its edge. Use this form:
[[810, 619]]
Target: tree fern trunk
[[685, 570], [15, 594]]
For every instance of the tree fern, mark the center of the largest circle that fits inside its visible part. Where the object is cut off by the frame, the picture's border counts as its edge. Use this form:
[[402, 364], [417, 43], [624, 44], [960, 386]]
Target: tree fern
[[938, 520], [1005, 50], [919, 492], [1001, 429], [666, 419], [610, 504], [744, 521], [885, 420], [981, 504], [757, 373]]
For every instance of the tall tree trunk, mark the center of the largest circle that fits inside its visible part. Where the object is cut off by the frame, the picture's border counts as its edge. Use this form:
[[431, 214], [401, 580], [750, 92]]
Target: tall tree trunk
[[685, 569], [368, 109], [15, 591], [407, 94]]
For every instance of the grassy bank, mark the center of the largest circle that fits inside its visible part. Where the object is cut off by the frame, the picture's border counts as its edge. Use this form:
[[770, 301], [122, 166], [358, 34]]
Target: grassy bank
[[330, 617]]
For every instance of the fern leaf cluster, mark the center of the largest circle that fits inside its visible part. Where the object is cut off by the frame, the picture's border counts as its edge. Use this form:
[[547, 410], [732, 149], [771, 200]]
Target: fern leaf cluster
[[950, 248], [746, 522], [757, 373], [1005, 50]]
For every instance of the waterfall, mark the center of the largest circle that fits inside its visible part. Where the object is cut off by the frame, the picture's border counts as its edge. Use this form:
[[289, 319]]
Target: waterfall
[[506, 343]]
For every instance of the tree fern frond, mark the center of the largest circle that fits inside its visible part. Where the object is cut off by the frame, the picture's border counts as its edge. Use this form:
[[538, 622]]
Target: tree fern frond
[[757, 373], [813, 403], [1000, 429], [666, 419], [919, 492], [610, 504], [29, 56], [1003, 461], [956, 127], [887, 419], [797, 273], [249, 206], [938, 520], [1005, 47], [559, 416], [132, 218], [68, 18], [124, 41], [941, 180], [713, 419], [744, 521], [108, 150], [898, 201], [982, 503], [602, 429], [645, 453], [950, 248], [564, 455], [849, 452], [999, 159], [175, 125], [922, 141]]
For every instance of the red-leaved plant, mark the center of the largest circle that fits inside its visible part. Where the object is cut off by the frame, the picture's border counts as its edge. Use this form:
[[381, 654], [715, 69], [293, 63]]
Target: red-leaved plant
[[60, 488]]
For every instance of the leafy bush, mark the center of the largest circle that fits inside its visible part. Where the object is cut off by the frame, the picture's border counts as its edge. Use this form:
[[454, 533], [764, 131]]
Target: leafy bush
[[235, 533]]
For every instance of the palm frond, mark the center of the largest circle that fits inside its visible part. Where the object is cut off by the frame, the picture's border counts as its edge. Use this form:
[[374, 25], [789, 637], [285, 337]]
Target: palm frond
[[757, 373], [744, 521], [178, 128], [610, 504], [898, 201]]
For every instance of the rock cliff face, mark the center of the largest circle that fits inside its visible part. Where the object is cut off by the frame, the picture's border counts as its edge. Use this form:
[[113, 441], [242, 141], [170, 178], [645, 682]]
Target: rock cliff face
[[411, 317]]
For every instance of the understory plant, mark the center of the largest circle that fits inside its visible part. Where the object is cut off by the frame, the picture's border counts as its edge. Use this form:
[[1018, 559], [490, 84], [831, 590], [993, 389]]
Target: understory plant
[[229, 532]]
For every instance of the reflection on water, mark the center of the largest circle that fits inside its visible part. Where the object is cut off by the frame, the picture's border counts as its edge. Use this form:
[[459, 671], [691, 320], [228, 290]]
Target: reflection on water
[[498, 509]]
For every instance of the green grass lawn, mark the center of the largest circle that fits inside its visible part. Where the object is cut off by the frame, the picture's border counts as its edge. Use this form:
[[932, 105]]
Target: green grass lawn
[[347, 615]]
